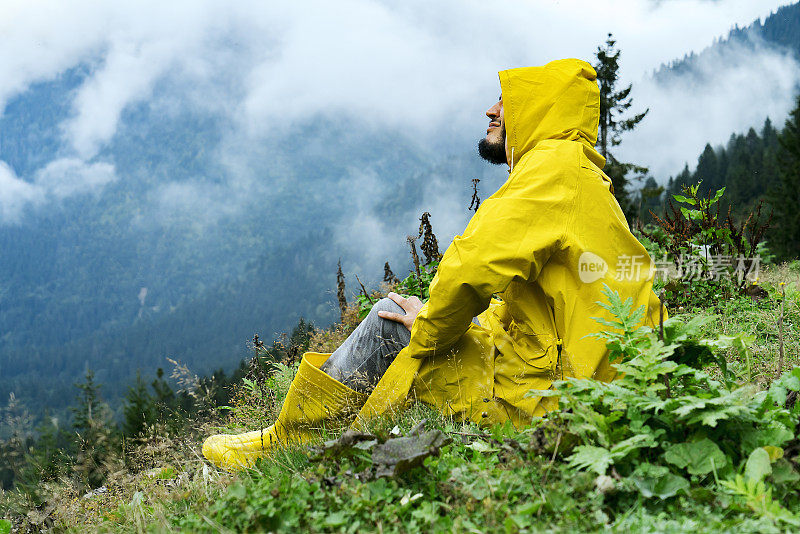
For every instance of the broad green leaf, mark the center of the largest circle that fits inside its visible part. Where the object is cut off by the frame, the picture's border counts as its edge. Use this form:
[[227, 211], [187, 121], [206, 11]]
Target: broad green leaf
[[718, 195], [663, 487], [237, 491], [596, 459], [5, 526], [783, 472], [758, 465], [638, 441], [793, 380], [777, 394], [790, 380], [694, 215], [336, 519], [681, 198], [698, 457], [398, 455], [542, 393], [775, 435]]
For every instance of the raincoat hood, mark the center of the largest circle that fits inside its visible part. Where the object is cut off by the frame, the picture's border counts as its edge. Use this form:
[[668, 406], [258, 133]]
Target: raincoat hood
[[560, 100]]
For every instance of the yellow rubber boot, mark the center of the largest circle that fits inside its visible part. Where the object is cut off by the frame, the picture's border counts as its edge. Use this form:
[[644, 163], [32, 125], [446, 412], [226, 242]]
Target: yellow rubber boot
[[314, 401]]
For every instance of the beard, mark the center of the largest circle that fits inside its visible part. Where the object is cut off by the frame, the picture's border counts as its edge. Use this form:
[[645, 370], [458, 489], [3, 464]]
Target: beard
[[493, 152]]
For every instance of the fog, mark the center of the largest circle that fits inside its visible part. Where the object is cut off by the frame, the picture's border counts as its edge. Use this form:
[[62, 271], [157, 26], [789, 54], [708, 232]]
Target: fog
[[730, 91], [425, 72]]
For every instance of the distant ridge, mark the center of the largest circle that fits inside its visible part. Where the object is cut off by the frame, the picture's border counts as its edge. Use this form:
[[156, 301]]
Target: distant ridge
[[780, 30]]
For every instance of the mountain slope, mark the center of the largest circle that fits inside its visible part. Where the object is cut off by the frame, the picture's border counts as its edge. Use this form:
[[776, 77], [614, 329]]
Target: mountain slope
[[780, 30]]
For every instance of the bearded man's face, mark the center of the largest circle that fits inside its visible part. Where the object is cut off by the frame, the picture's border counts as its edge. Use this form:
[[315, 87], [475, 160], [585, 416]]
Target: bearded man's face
[[492, 148]]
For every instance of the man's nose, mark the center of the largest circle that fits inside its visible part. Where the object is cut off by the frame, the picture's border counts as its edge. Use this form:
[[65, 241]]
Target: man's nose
[[493, 111]]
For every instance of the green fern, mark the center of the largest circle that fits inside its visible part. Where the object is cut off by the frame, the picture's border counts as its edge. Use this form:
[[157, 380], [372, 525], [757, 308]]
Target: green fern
[[665, 410]]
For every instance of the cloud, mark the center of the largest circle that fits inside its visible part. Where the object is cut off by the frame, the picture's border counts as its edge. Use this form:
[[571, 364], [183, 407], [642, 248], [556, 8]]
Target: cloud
[[377, 68], [378, 62], [181, 200], [368, 238], [15, 195], [59, 179], [127, 76], [425, 70], [66, 177]]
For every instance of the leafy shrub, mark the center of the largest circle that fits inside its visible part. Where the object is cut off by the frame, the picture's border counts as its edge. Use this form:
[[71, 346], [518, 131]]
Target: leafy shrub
[[412, 285], [664, 427], [713, 256]]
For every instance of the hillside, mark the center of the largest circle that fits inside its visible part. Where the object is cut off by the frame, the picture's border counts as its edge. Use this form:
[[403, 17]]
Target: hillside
[[184, 252], [780, 30], [150, 267], [583, 470]]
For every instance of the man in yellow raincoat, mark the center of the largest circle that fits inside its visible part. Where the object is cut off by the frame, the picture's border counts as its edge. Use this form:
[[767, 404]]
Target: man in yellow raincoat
[[545, 243]]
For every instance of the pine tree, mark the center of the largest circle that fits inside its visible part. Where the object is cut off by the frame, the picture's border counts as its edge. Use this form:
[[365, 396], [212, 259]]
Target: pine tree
[[769, 174], [649, 199], [784, 196], [48, 459], [708, 170], [747, 167], [738, 178], [755, 156], [684, 178], [97, 442], [139, 410], [163, 396], [769, 134], [85, 412], [301, 334], [614, 103], [17, 422], [340, 295]]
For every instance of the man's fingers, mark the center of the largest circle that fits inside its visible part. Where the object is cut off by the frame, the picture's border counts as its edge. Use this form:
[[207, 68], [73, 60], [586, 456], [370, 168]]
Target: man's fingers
[[400, 318], [410, 306], [400, 300]]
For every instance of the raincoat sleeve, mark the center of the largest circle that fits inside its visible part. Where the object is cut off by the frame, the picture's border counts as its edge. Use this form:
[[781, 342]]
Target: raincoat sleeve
[[512, 235]]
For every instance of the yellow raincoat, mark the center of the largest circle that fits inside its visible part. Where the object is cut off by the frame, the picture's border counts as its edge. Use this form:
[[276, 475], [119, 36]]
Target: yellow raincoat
[[545, 242]]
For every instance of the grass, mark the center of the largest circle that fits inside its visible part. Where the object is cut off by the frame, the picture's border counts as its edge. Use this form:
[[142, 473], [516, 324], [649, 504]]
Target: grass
[[498, 480], [760, 320]]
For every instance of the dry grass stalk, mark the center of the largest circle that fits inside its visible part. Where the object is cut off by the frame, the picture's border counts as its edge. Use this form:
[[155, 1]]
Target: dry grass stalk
[[388, 276], [414, 255], [364, 289], [185, 379], [476, 200], [430, 245], [780, 330], [340, 290]]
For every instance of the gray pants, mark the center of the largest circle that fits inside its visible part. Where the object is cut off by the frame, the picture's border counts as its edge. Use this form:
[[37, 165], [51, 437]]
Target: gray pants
[[367, 353]]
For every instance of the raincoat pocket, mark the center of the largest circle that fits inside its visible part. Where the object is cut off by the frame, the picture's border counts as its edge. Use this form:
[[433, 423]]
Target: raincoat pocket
[[517, 372], [534, 351]]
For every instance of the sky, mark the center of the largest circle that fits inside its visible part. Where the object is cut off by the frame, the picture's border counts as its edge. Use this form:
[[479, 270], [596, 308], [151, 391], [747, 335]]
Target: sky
[[427, 70]]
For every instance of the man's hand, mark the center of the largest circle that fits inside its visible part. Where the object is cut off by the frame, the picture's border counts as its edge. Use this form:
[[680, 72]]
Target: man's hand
[[410, 305]]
